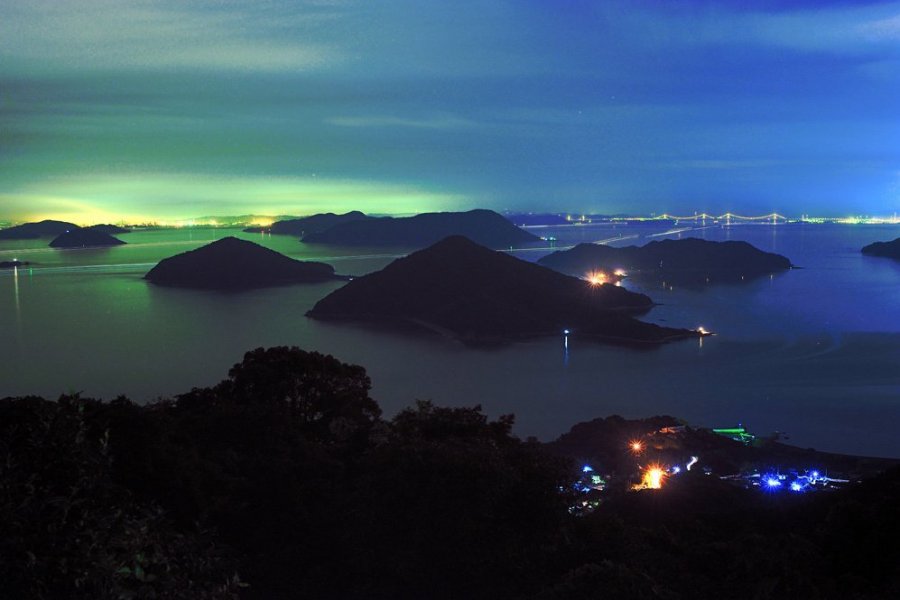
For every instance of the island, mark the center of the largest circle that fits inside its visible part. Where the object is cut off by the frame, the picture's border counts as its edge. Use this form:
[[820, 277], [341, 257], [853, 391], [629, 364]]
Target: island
[[109, 229], [308, 225], [478, 296], [484, 227], [738, 456], [31, 231], [85, 238], [235, 264], [883, 249], [684, 261], [13, 264]]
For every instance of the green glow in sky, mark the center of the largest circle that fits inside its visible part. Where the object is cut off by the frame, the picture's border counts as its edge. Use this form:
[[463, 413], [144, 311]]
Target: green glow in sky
[[146, 197], [170, 109]]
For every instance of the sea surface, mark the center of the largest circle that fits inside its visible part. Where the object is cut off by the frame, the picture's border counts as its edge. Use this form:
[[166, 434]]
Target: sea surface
[[813, 353]]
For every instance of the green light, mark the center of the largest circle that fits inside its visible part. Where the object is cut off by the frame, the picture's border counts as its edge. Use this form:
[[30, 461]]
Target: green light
[[166, 198], [738, 434]]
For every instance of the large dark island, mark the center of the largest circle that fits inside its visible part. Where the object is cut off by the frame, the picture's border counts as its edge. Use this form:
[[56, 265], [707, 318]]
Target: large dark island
[[477, 295], [308, 225], [884, 249], [484, 227], [85, 238], [32, 231], [234, 264], [685, 261]]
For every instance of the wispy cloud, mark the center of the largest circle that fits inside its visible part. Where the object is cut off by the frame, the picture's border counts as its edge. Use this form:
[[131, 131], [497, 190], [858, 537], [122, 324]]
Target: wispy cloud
[[883, 29], [714, 164], [48, 35], [839, 30], [439, 122]]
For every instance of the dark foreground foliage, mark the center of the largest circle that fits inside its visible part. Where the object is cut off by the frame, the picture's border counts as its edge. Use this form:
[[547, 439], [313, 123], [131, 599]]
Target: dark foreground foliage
[[283, 481]]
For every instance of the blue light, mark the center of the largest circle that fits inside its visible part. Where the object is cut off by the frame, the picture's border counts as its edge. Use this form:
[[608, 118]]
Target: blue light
[[586, 469], [565, 332], [773, 482], [796, 487], [814, 474], [676, 469]]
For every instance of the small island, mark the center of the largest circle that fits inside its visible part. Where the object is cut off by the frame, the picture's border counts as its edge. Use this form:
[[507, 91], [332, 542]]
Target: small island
[[484, 227], [684, 261], [13, 264], [883, 249], [234, 264], [471, 293], [33, 231], [308, 225], [85, 238]]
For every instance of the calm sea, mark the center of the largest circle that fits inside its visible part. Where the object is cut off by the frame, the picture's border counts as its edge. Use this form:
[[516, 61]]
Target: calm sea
[[813, 353]]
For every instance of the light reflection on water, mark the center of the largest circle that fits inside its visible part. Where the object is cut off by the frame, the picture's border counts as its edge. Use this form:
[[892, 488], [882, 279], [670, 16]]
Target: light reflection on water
[[18, 314], [813, 351]]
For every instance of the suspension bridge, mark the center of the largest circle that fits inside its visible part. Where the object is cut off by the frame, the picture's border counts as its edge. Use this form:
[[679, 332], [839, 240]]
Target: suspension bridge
[[727, 218]]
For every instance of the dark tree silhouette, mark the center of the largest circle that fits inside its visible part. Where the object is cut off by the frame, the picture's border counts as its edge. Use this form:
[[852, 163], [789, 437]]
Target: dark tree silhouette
[[68, 531], [286, 474], [319, 393]]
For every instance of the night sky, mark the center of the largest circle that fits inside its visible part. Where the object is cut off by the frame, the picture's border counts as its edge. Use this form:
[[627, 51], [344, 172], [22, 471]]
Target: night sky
[[167, 109]]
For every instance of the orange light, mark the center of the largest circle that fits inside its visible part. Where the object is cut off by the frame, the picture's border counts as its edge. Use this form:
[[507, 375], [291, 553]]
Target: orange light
[[596, 278], [653, 477], [637, 447]]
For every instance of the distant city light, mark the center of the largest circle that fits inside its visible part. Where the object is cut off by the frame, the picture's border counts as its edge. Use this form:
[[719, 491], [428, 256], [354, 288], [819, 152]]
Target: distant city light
[[586, 469], [637, 447], [620, 273], [692, 462], [773, 482], [796, 487], [596, 278]]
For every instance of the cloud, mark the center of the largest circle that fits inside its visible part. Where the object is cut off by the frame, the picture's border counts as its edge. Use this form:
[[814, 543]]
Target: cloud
[[438, 122], [91, 35], [714, 164], [882, 29], [841, 30]]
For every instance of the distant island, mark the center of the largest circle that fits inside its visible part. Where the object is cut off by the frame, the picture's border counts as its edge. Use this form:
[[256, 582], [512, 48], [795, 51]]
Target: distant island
[[85, 238], [234, 264], [308, 225], [686, 261], [31, 231], [109, 229], [884, 249], [471, 293], [732, 450], [12, 264], [484, 227]]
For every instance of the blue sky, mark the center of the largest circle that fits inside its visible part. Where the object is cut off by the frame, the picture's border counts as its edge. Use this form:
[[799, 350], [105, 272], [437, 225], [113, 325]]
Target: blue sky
[[168, 109]]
